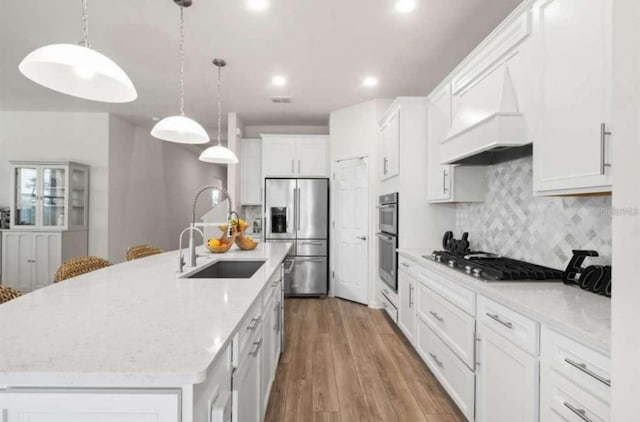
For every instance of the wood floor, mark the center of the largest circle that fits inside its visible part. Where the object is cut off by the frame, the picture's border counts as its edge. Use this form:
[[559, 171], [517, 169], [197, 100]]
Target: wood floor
[[346, 362]]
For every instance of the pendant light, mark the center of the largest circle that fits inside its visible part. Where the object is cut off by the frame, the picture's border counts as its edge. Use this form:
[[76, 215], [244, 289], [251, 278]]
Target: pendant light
[[219, 154], [180, 128], [78, 70]]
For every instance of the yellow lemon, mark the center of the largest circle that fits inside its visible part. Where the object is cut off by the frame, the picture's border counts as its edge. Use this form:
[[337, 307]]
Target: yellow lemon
[[214, 242]]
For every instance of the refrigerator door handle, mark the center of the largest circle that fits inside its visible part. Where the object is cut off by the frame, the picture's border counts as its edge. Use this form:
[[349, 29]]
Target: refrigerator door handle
[[298, 211]]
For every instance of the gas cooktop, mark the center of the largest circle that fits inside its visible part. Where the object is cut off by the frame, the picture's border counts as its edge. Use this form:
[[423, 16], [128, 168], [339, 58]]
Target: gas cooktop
[[488, 266]]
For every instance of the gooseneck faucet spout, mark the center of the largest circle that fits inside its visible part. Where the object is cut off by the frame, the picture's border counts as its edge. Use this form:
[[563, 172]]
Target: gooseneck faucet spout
[[192, 228]]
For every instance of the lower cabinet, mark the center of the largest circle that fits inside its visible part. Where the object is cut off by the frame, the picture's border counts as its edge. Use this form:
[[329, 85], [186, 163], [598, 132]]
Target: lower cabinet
[[20, 405], [246, 386], [506, 380], [407, 308]]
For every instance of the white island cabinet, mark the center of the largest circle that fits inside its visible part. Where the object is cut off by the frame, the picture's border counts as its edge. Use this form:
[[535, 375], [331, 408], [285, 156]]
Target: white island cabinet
[[197, 350]]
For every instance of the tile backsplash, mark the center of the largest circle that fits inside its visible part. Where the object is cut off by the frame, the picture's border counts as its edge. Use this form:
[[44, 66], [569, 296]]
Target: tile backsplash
[[543, 230]]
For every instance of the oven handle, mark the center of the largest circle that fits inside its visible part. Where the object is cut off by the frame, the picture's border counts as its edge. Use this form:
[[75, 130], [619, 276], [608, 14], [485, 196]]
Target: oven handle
[[392, 205], [386, 236]]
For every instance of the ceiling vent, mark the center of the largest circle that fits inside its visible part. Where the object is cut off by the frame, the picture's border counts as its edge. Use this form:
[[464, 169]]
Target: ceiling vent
[[281, 100]]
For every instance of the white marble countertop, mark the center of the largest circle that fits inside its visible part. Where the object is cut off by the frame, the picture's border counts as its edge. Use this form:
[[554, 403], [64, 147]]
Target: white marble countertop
[[132, 324], [576, 313]]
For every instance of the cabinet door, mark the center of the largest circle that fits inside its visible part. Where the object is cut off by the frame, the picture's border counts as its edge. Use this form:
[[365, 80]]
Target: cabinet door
[[390, 146], [312, 158], [25, 197], [47, 255], [266, 363], [251, 171], [438, 124], [53, 199], [78, 197], [407, 309], [506, 380], [88, 406], [574, 55], [17, 260], [246, 385], [278, 157]]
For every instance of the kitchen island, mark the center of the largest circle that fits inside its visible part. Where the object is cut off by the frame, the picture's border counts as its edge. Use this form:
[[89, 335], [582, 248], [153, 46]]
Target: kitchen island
[[139, 338]]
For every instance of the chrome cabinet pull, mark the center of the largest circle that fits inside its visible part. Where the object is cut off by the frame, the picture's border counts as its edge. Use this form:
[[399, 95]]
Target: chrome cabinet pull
[[292, 169], [583, 367], [275, 283], [581, 413], [435, 359], [500, 320], [298, 166], [404, 264], [444, 180], [258, 344], [603, 139], [411, 295], [254, 323], [361, 237], [436, 316]]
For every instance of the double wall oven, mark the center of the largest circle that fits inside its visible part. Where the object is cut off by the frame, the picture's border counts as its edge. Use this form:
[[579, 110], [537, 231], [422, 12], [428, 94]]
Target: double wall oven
[[388, 239]]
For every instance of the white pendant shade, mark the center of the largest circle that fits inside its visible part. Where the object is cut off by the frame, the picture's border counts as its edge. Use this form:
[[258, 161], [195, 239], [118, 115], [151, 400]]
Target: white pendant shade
[[78, 71], [180, 129], [219, 155]]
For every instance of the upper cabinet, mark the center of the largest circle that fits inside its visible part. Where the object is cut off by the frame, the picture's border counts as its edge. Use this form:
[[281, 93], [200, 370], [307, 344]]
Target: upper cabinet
[[448, 183], [295, 156], [49, 196], [251, 171], [390, 144], [573, 56]]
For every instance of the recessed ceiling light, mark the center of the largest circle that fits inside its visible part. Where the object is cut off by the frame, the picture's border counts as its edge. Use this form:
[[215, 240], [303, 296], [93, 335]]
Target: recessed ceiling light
[[405, 6], [278, 80], [258, 5], [370, 81]]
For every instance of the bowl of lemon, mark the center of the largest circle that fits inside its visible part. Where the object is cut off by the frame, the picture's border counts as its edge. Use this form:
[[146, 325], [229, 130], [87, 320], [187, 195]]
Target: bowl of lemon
[[222, 244]]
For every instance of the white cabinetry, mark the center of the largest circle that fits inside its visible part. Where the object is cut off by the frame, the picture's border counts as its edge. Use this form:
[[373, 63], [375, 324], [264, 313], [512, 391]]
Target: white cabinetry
[[19, 405], [448, 183], [390, 145], [295, 156], [251, 172], [506, 379], [406, 299], [573, 55], [31, 258]]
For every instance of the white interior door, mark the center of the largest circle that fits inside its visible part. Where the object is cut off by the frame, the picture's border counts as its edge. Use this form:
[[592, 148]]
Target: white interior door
[[352, 229]]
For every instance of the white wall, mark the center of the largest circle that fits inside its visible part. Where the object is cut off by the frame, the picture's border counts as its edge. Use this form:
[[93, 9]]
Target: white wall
[[151, 188], [354, 132], [625, 141], [61, 136], [256, 131]]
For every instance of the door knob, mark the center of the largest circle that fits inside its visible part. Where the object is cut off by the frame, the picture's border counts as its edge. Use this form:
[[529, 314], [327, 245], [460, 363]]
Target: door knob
[[361, 237]]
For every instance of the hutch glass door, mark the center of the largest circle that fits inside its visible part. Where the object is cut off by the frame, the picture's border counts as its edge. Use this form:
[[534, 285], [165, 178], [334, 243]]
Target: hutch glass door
[[54, 193], [26, 196]]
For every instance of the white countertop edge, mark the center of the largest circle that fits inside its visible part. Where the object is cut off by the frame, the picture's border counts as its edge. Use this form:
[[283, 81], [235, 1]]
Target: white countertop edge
[[482, 288]]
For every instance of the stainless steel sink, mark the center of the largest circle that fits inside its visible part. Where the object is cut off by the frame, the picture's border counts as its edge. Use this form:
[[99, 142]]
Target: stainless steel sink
[[229, 269]]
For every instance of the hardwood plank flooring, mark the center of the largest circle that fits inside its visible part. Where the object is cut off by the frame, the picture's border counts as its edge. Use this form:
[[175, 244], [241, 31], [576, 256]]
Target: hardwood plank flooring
[[345, 362]]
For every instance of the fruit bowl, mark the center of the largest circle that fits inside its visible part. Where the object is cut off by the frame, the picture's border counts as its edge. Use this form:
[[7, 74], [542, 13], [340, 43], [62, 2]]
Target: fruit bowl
[[246, 243], [223, 244]]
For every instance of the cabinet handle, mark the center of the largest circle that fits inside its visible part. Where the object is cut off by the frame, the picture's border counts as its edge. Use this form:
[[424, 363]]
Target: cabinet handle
[[583, 367], [292, 169], [581, 413], [500, 320], [275, 283], [444, 181], [603, 137], [404, 264], [298, 166], [410, 295], [254, 323], [258, 344], [435, 359], [436, 316]]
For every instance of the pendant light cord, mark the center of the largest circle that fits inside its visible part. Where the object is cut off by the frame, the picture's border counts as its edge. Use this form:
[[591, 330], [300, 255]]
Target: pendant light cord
[[219, 104], [182, 60], [85, 23]]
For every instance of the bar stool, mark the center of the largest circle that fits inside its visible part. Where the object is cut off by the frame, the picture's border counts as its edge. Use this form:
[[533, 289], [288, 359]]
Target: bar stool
[[8, 293], [78, 266], [141, 251]]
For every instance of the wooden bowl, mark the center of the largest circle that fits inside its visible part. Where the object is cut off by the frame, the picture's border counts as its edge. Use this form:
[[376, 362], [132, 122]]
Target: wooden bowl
[[228, 242], [245, 243]]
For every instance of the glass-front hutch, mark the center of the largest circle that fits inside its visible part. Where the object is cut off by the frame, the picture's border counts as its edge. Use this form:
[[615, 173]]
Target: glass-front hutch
[[49, 196]]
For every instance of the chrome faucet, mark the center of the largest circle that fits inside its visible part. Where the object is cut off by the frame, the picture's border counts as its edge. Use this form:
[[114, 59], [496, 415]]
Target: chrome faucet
[[192, 228]]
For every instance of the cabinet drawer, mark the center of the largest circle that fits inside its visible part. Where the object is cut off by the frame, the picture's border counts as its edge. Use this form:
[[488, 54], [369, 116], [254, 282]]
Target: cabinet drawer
[[249, 332], [580, 364], [463, 298], [389, 308], [454, 326], [513, 326], [389, 294], [272, 289], [562, 400], [454, 375]]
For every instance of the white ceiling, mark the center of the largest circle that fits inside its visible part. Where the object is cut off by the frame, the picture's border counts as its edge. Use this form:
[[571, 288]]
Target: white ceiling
[[324, 47]]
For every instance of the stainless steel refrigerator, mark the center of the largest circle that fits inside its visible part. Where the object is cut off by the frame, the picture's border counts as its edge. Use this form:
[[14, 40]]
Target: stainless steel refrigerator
[[297, 210]]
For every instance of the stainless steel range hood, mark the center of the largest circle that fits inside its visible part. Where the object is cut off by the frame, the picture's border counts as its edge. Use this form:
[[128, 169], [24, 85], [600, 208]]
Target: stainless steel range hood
[[488, 126]]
